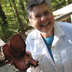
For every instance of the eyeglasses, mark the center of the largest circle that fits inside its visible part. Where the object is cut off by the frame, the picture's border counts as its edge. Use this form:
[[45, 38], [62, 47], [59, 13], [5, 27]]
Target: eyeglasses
[[38, 16]]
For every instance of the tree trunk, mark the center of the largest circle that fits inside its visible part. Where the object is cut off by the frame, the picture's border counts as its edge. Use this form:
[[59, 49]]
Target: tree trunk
[[22, 6], [4, 24], [67, 2], [18, 17]]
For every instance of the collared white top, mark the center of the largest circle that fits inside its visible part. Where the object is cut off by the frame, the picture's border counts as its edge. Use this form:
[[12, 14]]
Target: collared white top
[[61, 49]]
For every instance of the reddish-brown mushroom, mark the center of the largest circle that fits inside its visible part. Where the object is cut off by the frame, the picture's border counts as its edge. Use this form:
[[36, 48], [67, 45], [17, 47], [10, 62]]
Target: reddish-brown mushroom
[[15, 53]]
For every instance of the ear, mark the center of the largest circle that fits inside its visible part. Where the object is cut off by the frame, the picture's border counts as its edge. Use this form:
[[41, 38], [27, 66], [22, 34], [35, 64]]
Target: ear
[[30, 20]]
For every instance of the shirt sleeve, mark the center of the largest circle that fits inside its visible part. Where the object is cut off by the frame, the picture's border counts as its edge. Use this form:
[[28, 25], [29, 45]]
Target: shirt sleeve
[[28, 48], [28, 45]]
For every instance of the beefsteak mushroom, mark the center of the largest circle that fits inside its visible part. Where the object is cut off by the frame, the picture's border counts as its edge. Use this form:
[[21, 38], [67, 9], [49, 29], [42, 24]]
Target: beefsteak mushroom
[[16, 54]]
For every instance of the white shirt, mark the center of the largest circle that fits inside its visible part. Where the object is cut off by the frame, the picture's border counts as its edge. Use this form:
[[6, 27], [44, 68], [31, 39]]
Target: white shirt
[[61, 49]]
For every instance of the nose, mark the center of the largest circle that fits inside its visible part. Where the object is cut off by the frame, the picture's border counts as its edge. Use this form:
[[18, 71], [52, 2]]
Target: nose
[[43, 18]]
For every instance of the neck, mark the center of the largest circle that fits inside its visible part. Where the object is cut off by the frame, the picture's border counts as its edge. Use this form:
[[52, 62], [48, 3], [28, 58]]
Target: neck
[[47, 34]]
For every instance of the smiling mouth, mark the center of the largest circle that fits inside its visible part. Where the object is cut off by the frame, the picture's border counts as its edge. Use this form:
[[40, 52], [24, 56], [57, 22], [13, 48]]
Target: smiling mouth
[[45, 24]]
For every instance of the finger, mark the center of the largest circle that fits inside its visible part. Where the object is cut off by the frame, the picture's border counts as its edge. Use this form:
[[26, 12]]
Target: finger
[[28, 53], [11, 63]]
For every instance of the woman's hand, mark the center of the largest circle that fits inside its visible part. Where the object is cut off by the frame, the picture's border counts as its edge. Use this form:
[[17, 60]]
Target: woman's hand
[[28, 53]]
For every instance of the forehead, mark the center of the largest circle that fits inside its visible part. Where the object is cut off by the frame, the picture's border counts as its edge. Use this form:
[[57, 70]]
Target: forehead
[[40, 9]]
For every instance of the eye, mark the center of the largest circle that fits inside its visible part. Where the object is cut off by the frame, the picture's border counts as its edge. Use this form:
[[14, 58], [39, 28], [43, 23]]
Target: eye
[[37, 16], [46, 13]]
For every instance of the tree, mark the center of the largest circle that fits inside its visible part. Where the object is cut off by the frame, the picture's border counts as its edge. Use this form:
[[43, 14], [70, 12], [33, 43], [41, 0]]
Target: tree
[[4, 24], [3, 17], [18, 17]]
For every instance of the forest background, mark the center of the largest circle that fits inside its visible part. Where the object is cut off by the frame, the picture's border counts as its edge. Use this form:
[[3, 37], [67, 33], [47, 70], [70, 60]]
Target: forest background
[[13, 17]]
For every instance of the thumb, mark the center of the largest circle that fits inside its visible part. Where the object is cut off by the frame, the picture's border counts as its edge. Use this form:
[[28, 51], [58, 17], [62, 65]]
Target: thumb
[[28, 53]]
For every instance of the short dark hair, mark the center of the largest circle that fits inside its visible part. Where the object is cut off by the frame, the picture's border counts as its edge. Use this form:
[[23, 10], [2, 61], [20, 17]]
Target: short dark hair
[[33, 3]]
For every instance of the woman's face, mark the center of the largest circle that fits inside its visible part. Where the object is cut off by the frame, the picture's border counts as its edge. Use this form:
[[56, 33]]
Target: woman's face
[[42, 18]]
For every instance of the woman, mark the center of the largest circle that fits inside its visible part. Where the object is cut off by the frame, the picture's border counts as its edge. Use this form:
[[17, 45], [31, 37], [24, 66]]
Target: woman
[[51, 42]]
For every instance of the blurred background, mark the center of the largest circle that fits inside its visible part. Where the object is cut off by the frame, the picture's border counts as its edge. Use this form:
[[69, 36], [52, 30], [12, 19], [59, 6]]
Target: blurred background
[[13, 17]]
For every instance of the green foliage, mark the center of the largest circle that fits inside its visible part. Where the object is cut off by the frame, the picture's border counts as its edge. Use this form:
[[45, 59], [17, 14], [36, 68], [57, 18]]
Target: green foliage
[[57, 4], [12, 20]]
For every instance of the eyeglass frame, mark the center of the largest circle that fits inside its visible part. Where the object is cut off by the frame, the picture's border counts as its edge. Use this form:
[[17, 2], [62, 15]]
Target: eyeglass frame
[[38, 16]]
